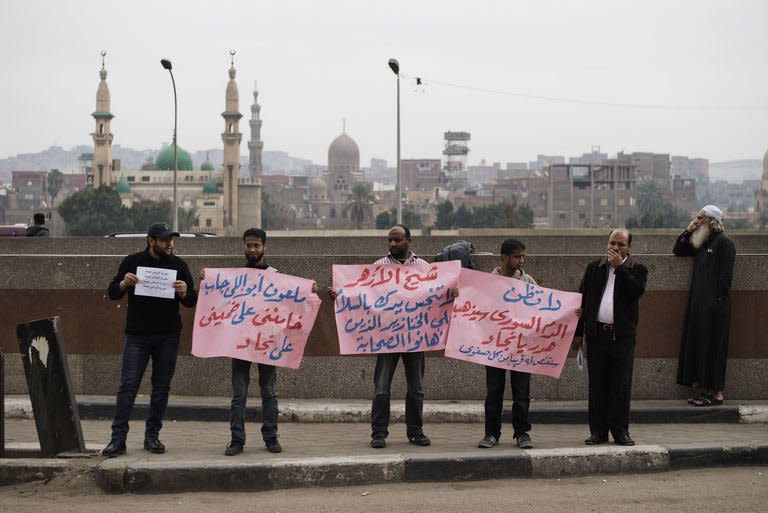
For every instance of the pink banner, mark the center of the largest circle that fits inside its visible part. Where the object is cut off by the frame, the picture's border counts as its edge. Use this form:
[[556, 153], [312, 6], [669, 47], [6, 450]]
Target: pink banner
[[511, 324], [393, 308], [250, 314]]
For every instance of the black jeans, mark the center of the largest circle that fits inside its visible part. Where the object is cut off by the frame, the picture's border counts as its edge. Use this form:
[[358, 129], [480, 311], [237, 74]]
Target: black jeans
[[241, 378], [137, 351], [520, 382], [414, 398], [609, 366]]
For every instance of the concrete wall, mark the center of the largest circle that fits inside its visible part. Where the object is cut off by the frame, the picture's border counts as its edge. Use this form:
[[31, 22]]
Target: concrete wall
[[373, 242], [36, 285]]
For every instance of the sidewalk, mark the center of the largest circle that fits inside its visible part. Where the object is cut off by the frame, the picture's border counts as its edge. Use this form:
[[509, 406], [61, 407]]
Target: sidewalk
[[337, 453]]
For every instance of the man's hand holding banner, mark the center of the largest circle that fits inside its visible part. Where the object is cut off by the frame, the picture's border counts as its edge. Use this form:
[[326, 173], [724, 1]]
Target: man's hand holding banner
[[511, 324], [390, 308], [254, 315]]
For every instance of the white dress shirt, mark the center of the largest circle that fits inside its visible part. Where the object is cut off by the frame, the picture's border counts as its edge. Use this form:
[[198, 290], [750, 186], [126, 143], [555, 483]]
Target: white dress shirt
[[605, 313]]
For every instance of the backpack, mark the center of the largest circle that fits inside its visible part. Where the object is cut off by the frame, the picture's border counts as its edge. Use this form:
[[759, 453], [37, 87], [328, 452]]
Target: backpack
[[459, 250]]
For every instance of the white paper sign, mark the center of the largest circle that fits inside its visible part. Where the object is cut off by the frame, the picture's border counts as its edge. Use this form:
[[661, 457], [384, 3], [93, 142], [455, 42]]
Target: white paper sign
[[155, 282]]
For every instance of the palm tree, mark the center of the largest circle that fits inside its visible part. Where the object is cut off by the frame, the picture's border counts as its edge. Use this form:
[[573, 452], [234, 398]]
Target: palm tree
[[359, 204], [55, 183], [187, 218]]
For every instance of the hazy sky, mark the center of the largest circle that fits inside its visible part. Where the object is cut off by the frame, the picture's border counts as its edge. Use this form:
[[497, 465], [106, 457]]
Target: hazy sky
[[317, 62]]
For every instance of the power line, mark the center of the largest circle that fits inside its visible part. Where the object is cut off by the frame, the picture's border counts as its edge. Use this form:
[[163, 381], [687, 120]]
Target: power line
[[421, 81]]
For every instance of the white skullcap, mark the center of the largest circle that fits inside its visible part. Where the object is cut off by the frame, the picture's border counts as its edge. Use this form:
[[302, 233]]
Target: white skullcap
[[713, 211]]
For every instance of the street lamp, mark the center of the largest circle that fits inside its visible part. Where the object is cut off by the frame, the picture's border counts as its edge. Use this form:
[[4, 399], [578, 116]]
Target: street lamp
[[166, 64], [395, 67]]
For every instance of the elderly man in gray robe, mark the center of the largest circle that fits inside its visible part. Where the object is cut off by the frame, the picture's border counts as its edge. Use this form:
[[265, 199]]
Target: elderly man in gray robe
[[704, 348]]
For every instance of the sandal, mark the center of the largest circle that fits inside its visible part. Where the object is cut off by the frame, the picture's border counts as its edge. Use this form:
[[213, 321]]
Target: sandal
[[692, 400], [707, 400]]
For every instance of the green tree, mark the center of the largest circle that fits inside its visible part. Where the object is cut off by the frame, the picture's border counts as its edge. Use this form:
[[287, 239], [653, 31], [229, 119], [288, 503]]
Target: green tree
[[55, 183], [95, 212], [359, 204], [384, 220], [187, 218], [762, 221], [649, 196], [275, 216], [144, 213], [445, 218], [388, 218]]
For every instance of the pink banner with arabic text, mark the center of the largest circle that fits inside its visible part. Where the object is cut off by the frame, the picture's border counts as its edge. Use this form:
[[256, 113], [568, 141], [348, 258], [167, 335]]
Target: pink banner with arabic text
[[391, 308], [508, 323], [256, 315]]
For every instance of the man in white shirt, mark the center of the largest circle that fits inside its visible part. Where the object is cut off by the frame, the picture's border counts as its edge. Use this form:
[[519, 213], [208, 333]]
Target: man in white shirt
[[611, 288]]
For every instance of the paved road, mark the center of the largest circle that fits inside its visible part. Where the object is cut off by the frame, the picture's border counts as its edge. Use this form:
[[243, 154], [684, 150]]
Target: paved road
[[721, 490], [206, 440]]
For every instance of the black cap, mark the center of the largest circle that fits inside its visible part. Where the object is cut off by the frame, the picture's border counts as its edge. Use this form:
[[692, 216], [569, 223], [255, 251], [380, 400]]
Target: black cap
[[161, 231]]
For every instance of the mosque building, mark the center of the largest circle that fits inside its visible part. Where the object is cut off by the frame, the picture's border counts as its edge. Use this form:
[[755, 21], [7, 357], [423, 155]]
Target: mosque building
[[224, 202]]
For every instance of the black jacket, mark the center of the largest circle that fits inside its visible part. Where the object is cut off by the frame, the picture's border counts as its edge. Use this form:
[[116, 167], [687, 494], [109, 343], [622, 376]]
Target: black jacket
[[627, 289], [152, 315]]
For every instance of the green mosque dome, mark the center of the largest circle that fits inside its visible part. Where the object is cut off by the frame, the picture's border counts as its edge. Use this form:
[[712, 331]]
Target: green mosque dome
[[123, 187], [210, 187], [165, 159], [206, 166]]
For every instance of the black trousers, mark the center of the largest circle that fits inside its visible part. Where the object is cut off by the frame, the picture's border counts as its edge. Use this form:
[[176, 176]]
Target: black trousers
[[414, 397], [609, 366], [520, 382]]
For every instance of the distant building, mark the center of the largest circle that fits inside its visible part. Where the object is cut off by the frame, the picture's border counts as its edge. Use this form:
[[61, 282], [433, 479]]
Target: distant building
[[422, 174], [543, 161], [761, 194], [591, 195]]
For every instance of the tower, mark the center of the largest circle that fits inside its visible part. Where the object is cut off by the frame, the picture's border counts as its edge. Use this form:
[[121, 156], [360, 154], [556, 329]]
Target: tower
[[101, 172], [255, 145], [232, 138]]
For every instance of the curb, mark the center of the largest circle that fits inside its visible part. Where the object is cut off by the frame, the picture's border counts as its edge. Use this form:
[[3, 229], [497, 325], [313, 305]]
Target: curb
[[114, 476]]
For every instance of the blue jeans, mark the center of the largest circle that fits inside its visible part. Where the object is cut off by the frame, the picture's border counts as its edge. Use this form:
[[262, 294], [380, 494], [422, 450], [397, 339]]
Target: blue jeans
[[520, 382], [241, 377], [138, 349], [414, 398]]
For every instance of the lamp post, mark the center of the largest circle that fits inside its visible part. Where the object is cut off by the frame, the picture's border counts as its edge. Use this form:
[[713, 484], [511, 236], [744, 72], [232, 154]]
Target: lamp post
[[395, 67], [166, 64]]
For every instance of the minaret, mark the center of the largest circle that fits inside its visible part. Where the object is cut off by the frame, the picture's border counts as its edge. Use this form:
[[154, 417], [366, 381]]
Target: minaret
[[255, 145], [232, 138], [101, 174]]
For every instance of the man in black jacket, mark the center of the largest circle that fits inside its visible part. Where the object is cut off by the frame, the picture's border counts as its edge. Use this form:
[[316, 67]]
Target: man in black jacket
[[611, 288], [152, 331]]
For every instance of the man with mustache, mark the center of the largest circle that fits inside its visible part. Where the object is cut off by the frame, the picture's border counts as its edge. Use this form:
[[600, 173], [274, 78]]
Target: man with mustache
[[399, 241], [152, 330], [611, 290], [704, 349]]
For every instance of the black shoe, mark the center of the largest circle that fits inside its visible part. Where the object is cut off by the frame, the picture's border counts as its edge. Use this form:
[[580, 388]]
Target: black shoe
[[596, 440], [233, 448], [487, 442], [523, 440], [115, 447], [154, 446], [273, 445], [378, 443], [623, 439], [419, 439]]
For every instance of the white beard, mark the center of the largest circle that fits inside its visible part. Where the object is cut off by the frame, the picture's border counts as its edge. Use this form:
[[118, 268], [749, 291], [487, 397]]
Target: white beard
[[700, 236]]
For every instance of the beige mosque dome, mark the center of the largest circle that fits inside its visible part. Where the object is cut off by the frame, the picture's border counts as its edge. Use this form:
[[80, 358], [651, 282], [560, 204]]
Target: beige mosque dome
[[765, 165], [343, 154], [318, 189]]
